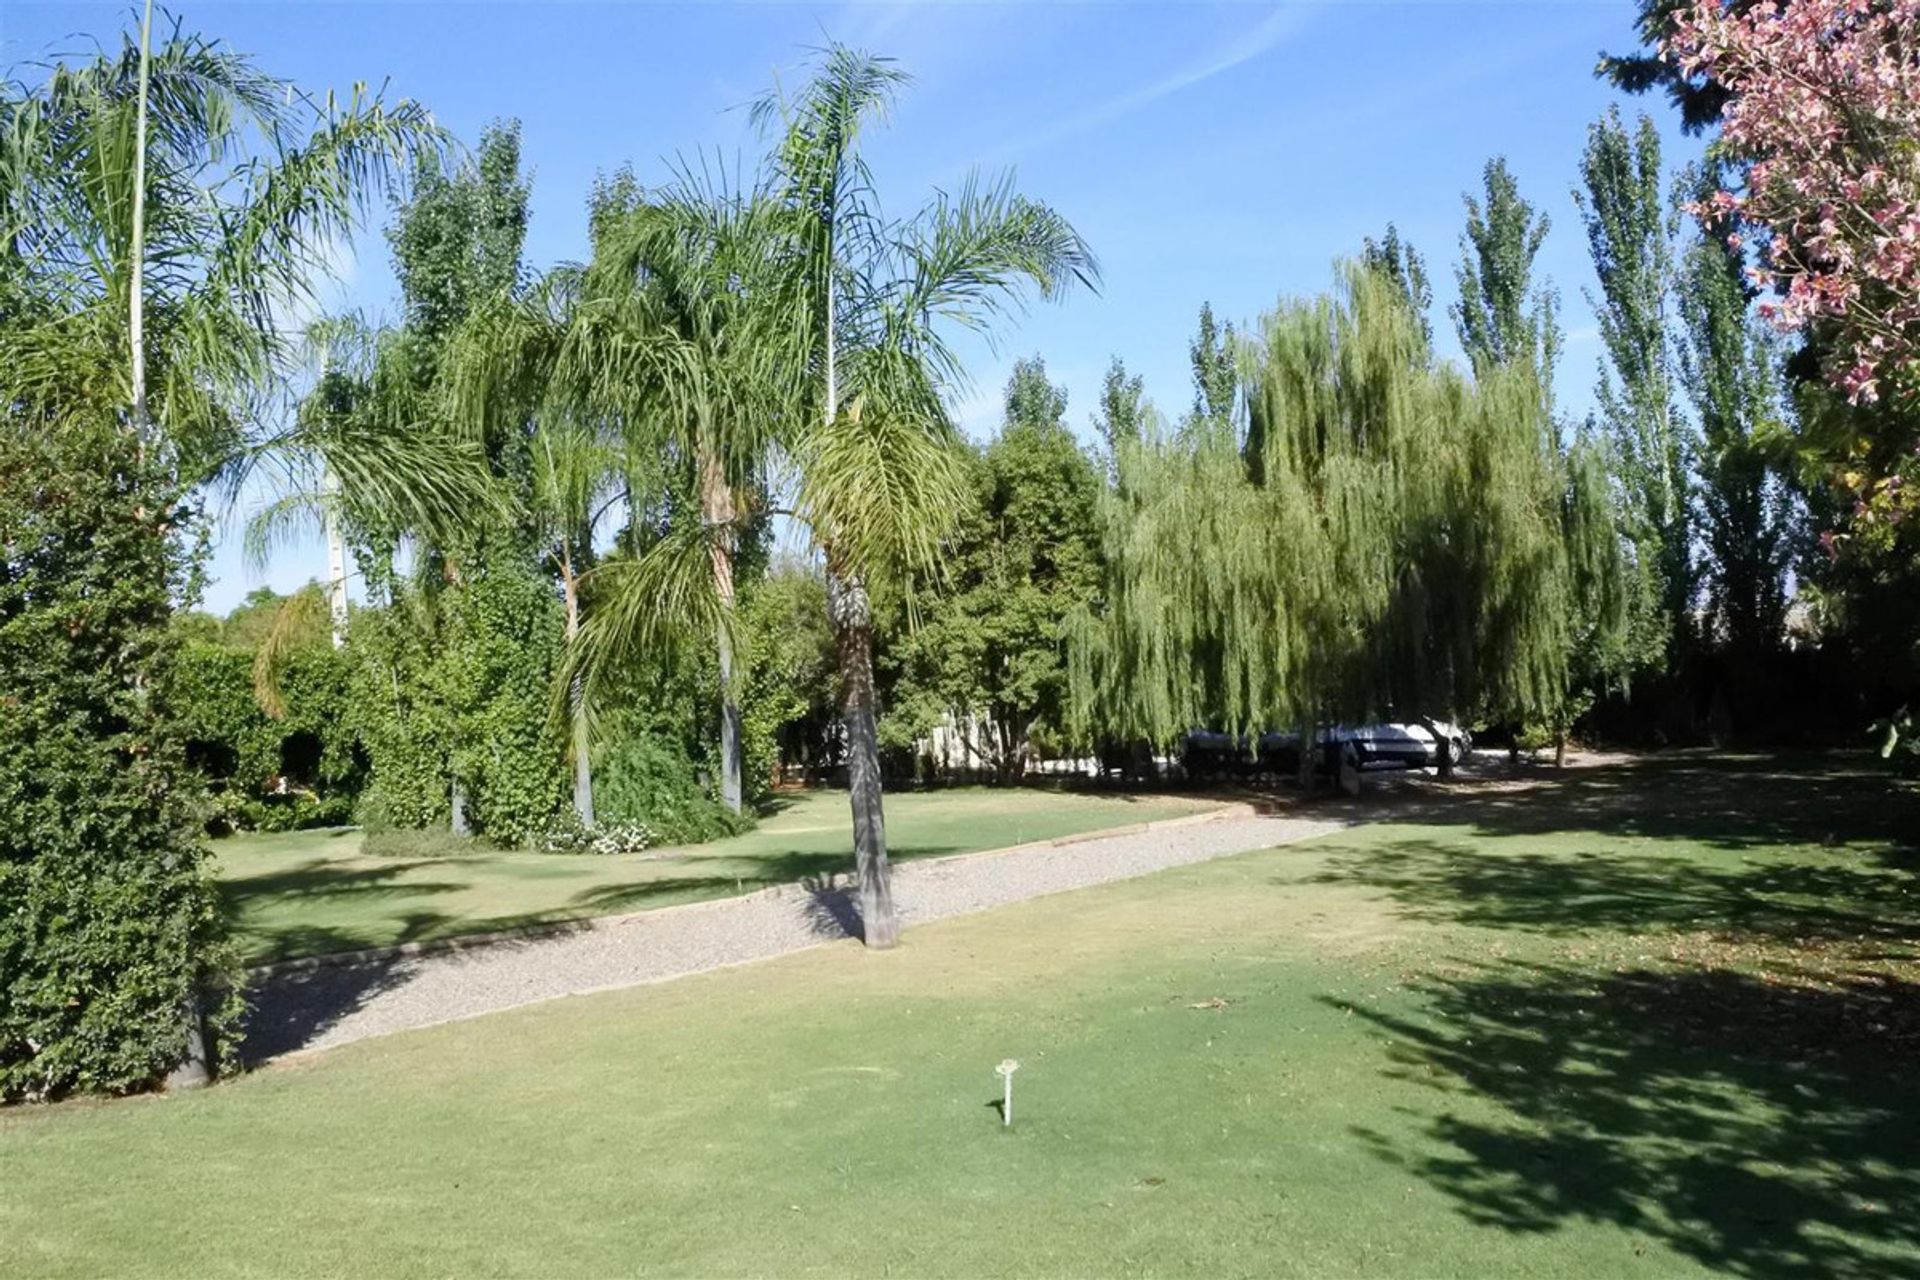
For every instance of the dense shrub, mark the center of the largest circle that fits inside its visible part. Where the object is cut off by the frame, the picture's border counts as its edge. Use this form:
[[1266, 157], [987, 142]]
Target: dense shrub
[[266, 773], [453, 679], [109, 923], [646, 781]]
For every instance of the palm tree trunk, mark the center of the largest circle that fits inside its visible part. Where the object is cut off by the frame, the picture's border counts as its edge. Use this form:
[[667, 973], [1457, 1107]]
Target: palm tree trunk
[[716, 507], [853, 632], [336, 559], [582, 758], [136, 273], [195, 1067]]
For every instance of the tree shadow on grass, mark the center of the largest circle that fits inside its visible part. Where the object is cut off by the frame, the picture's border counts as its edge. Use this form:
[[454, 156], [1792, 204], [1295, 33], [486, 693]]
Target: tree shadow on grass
[[814, 873], [1753, 849], [1763, 1126], [1735, 1080], [1727, 802], [1749, 899]]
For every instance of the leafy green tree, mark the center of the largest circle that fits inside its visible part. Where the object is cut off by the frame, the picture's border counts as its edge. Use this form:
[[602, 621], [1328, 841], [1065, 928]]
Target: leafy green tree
[[1729, 367], [987, 656], [1401, 263], [1699, 98], [1503, 319], [113, 926], [163, 206], [1122, 413], [878, 473], [1216, 379], [686, 342], [1399, 548], [463, 731], [788, 707], [1630, 233]]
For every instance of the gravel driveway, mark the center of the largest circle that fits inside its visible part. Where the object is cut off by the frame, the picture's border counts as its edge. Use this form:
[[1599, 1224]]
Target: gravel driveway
[[319, 1004]]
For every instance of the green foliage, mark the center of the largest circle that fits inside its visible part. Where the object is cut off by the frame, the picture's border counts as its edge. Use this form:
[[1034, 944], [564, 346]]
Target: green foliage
[[1122, 414], [400, 693], [247, 183], [1401, 263], [1729, 366], [645, 780], [1216, 381], [1501, 319], [789, 702], [457, 242], [988, 648], [1396, 544], [111, 923], [1630, 234], [503, 654], [263, 772]]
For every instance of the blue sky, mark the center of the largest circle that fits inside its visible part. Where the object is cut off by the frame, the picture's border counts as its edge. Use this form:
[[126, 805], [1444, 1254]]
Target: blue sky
[[1209, 152]]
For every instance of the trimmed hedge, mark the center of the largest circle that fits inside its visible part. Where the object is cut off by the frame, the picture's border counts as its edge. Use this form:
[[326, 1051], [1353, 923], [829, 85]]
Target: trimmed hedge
[[109, 923]]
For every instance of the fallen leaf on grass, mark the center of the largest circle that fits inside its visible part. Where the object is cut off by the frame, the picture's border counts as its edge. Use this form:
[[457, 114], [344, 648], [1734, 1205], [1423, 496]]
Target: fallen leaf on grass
[[1214, 1002]]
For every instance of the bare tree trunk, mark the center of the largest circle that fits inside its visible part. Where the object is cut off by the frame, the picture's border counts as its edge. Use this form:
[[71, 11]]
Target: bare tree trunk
[[853, 629], [457, 803], [1306, 753], [716, 508], [1560, 749], [582, 757], [1443, 748]]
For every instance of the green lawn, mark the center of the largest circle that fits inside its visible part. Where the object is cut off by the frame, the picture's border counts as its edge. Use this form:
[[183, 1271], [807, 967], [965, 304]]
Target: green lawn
[[1658, 1021], [310, 892]]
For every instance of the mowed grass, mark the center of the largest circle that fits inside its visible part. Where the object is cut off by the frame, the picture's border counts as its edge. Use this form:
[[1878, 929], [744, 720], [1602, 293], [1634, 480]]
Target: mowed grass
[[1656, 1020], [310, 892]]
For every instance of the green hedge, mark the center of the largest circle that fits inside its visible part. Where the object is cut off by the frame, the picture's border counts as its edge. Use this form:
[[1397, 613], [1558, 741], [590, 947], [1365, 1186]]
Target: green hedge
[[239, 750], [109, 923]]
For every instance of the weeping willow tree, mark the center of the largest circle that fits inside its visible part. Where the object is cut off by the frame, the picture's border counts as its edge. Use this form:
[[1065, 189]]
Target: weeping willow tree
[[1382, 536]]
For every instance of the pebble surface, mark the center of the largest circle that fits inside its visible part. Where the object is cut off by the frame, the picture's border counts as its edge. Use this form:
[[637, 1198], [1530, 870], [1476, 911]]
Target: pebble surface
[[305, 1007]]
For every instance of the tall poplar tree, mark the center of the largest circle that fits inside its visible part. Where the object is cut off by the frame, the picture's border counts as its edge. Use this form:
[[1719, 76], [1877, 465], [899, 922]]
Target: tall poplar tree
[[1630, 231], [1503, 318], [1122, 412], [1729, 367], [1401, 263]]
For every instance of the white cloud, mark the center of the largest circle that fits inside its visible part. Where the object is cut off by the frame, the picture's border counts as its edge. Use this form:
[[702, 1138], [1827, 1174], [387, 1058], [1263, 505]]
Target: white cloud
[[1247, 46]]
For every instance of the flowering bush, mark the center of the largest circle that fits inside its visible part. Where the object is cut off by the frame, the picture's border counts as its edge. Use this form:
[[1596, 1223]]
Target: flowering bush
[[1825, 114], [570, 835]]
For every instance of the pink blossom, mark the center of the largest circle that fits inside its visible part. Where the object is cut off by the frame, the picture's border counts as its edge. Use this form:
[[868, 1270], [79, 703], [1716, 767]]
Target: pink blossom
[[1825, 113]]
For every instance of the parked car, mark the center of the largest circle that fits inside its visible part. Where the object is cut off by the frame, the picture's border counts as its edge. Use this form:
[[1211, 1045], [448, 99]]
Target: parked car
[[1209, 754], [1403, 745]]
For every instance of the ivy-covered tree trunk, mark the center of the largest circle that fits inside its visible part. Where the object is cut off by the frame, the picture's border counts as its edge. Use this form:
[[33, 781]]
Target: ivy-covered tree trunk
[[853, 632]]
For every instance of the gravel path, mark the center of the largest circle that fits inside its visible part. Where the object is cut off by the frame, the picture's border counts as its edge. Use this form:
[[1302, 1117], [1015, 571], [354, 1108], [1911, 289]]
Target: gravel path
[[311, 1006]]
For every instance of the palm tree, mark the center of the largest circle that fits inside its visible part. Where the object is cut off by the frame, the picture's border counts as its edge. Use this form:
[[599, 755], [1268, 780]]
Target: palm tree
[[353, 457], [878, 481], [160, 210], [502, 368], [681, 339]]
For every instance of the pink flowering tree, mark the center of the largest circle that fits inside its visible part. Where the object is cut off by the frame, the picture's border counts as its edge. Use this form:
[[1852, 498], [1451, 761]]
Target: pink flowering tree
[[1823, 120]]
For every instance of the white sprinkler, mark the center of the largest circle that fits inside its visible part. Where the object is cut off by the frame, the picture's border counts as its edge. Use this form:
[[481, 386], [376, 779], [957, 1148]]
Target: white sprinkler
[[1005, 1071]]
